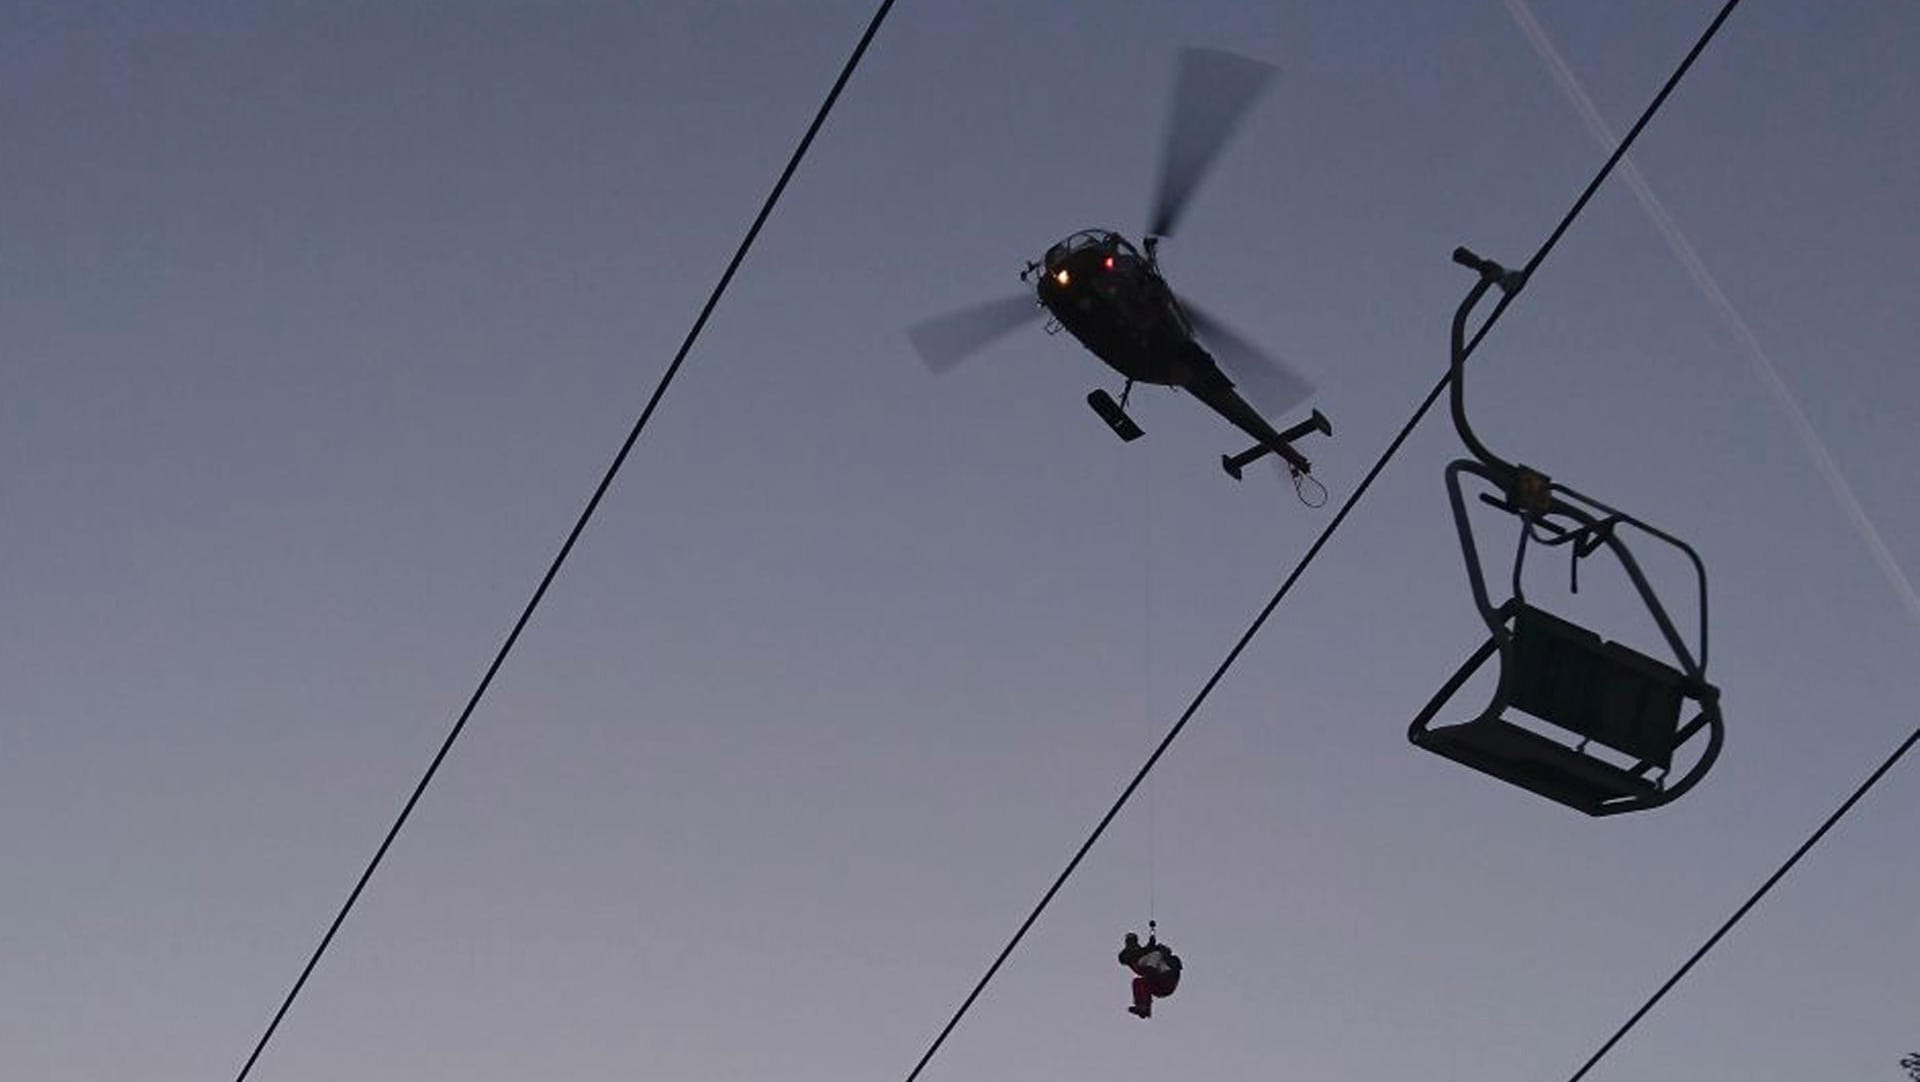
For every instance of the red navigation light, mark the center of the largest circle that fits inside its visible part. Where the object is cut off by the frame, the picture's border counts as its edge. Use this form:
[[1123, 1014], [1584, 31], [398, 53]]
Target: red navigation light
[[1109, 262]]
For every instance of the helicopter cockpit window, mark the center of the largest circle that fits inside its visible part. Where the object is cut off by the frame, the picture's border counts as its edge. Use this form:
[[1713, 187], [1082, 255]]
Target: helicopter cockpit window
[[1083, 240]]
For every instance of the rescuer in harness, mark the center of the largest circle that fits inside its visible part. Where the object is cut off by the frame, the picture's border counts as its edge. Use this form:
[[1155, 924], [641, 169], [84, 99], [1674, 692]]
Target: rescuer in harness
[[1156, 972]]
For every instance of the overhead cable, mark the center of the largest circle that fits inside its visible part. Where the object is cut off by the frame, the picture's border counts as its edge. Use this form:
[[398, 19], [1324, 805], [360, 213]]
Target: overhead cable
[[1320, 542], [1779, 873], [1769, 373], [579, 526], [1816, 449]]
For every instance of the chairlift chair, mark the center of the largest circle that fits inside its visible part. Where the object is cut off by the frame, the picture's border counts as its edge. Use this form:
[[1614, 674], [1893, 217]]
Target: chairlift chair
[[1581, 689]]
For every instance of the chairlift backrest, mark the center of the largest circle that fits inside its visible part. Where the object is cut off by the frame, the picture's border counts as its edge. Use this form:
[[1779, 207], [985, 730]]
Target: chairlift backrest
[[1570, 677]]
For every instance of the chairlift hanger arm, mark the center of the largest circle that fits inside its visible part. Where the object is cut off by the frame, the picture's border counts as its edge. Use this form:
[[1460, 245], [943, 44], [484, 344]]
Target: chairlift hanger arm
[[1491, 274], [1531, 494]]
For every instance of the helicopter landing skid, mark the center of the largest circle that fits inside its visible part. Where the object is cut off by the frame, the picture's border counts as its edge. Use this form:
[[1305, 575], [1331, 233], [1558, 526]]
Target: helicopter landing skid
[[1115, 416]]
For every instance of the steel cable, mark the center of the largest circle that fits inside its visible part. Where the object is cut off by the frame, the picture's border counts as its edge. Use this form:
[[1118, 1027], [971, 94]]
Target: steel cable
[[1320, 542], [579, 526]]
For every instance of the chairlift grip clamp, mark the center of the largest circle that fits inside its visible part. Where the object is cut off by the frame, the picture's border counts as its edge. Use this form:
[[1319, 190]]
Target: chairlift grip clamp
[[1467, 258], [1530, 490], [1509, 281]]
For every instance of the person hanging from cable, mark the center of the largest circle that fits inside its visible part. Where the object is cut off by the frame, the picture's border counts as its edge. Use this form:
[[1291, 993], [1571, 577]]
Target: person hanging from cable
[[1156, 970]]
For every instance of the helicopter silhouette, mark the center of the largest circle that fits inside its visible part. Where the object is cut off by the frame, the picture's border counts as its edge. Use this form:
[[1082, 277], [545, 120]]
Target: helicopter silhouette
[[1113, 298]]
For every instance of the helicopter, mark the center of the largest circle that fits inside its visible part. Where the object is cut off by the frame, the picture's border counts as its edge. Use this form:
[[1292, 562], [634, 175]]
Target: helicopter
[[1112, 297]]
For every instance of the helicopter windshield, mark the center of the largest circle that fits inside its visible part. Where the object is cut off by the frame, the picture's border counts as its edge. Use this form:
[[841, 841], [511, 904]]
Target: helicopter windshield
[[1104, 239]]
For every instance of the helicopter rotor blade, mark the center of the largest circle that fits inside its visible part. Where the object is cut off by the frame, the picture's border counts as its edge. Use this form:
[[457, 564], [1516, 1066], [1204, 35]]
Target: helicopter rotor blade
[[944, 341], [1269, 385], [1212, 92]]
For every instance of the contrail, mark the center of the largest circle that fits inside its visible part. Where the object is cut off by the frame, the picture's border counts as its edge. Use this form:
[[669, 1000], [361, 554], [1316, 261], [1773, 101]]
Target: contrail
[[1683, 249]]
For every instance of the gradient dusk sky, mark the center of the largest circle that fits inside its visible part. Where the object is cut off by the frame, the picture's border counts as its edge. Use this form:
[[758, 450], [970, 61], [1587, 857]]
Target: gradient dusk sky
[[320, 320]]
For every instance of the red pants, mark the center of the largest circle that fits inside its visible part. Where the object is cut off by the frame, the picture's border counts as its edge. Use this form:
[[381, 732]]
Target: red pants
[[1142, 995], [1145, 988]]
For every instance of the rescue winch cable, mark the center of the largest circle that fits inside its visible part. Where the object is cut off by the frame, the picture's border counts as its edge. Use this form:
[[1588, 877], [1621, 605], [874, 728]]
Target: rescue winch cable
[[579, 526], [1516, 284], [1146, 697]]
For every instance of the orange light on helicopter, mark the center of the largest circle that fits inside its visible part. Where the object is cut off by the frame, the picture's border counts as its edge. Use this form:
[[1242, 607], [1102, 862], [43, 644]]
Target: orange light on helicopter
[[1062, 276]]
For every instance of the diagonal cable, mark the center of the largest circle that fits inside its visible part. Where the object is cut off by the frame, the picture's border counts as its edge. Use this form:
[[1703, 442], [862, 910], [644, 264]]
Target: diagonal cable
[[1816, 448], [579, 526], [1736, 324], [1320, 542], [1779, 874]]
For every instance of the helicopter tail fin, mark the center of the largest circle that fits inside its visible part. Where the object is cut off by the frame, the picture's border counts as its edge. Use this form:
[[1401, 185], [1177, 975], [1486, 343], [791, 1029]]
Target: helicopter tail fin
[[1289, 460], [1295, 462]]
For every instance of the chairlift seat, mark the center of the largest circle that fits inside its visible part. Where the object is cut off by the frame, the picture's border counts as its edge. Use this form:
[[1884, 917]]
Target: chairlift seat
[[1521, 757], [1570, 678]]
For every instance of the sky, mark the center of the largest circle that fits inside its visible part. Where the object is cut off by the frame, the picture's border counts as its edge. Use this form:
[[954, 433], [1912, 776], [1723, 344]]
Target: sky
[[320, 321]]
